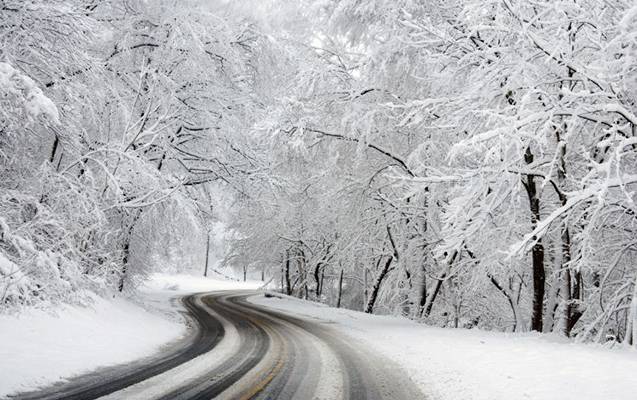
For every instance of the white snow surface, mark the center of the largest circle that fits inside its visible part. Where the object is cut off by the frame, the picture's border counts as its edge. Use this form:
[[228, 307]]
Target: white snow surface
[[31, 97], [40, 347], [455, 364], [185, 284]]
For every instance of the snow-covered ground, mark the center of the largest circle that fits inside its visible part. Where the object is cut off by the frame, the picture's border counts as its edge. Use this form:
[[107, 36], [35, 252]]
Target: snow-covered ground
[[454, 364], [38, 347], [41, 347], [163, 284]]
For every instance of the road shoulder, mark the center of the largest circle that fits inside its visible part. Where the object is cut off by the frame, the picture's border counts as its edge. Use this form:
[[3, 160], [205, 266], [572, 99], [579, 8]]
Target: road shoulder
[[454, 364]]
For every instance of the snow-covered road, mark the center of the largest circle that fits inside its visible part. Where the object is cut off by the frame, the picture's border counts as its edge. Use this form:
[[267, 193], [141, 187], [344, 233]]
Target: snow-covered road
[[463, 364], [289, 348], [245, 351]]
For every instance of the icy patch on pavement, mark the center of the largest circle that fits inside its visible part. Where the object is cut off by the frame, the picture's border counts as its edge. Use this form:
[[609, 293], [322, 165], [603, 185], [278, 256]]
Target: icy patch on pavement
[[454, 364]]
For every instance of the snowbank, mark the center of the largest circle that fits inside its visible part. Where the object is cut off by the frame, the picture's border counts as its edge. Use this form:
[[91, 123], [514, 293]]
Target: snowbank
[[454, 364], [41, 347]]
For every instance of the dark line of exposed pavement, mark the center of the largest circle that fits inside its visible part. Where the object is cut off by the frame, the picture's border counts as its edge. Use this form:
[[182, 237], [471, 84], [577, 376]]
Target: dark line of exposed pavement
[[275, 359], [254, 344]]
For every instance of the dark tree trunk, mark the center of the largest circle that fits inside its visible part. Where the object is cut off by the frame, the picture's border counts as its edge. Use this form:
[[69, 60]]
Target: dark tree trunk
[[432, 296], [365, 291], [539, 279], [406, 300], [429, 303], [126, 255], [288, 287], [383, 273], [126, 248], [509, 299], [282, 282], [319, 271], [423, 293], [571, 285], [317, 279], [369, 308], [302, 275], [537, 253], [205, 271], [56, 142]]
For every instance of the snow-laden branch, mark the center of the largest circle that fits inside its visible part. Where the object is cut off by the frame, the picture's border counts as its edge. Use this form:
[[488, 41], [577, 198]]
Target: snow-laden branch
[[574, 199]]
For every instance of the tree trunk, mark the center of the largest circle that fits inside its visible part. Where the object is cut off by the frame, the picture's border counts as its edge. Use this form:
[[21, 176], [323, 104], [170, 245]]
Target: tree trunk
[[288, 287], [282, 282], [126, 254], [319, 271], [56, 142], [126, 249], [429, 303], [406, 299], [423, 292], [572, 291], [369, 308], [365, 291], [205, 272], [317, 279], [432, 296], [537, 253], [572, 308], [577, 309], [340, 289], [631, 323], [302, 277], [512, 305]]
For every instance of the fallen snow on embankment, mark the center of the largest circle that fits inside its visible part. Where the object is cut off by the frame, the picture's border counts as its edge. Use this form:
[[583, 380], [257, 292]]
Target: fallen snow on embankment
[[41, 347], [454, 364]]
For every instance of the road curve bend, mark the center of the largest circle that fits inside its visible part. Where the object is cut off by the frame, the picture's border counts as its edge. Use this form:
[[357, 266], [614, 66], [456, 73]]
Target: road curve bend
[[244, 351]]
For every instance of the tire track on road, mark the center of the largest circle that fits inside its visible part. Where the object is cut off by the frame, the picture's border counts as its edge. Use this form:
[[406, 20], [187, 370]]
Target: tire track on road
[[247, 352]]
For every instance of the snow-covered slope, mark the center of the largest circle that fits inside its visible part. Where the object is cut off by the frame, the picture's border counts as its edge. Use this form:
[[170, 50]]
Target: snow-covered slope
[[45, 346], [457, 364], [41, 347]]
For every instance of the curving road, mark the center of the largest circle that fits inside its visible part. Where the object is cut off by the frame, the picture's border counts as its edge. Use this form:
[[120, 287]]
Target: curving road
[[244, 351]]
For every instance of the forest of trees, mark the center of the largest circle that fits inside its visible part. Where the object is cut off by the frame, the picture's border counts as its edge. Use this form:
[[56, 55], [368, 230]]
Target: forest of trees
[[464, 163], [114, 117]]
